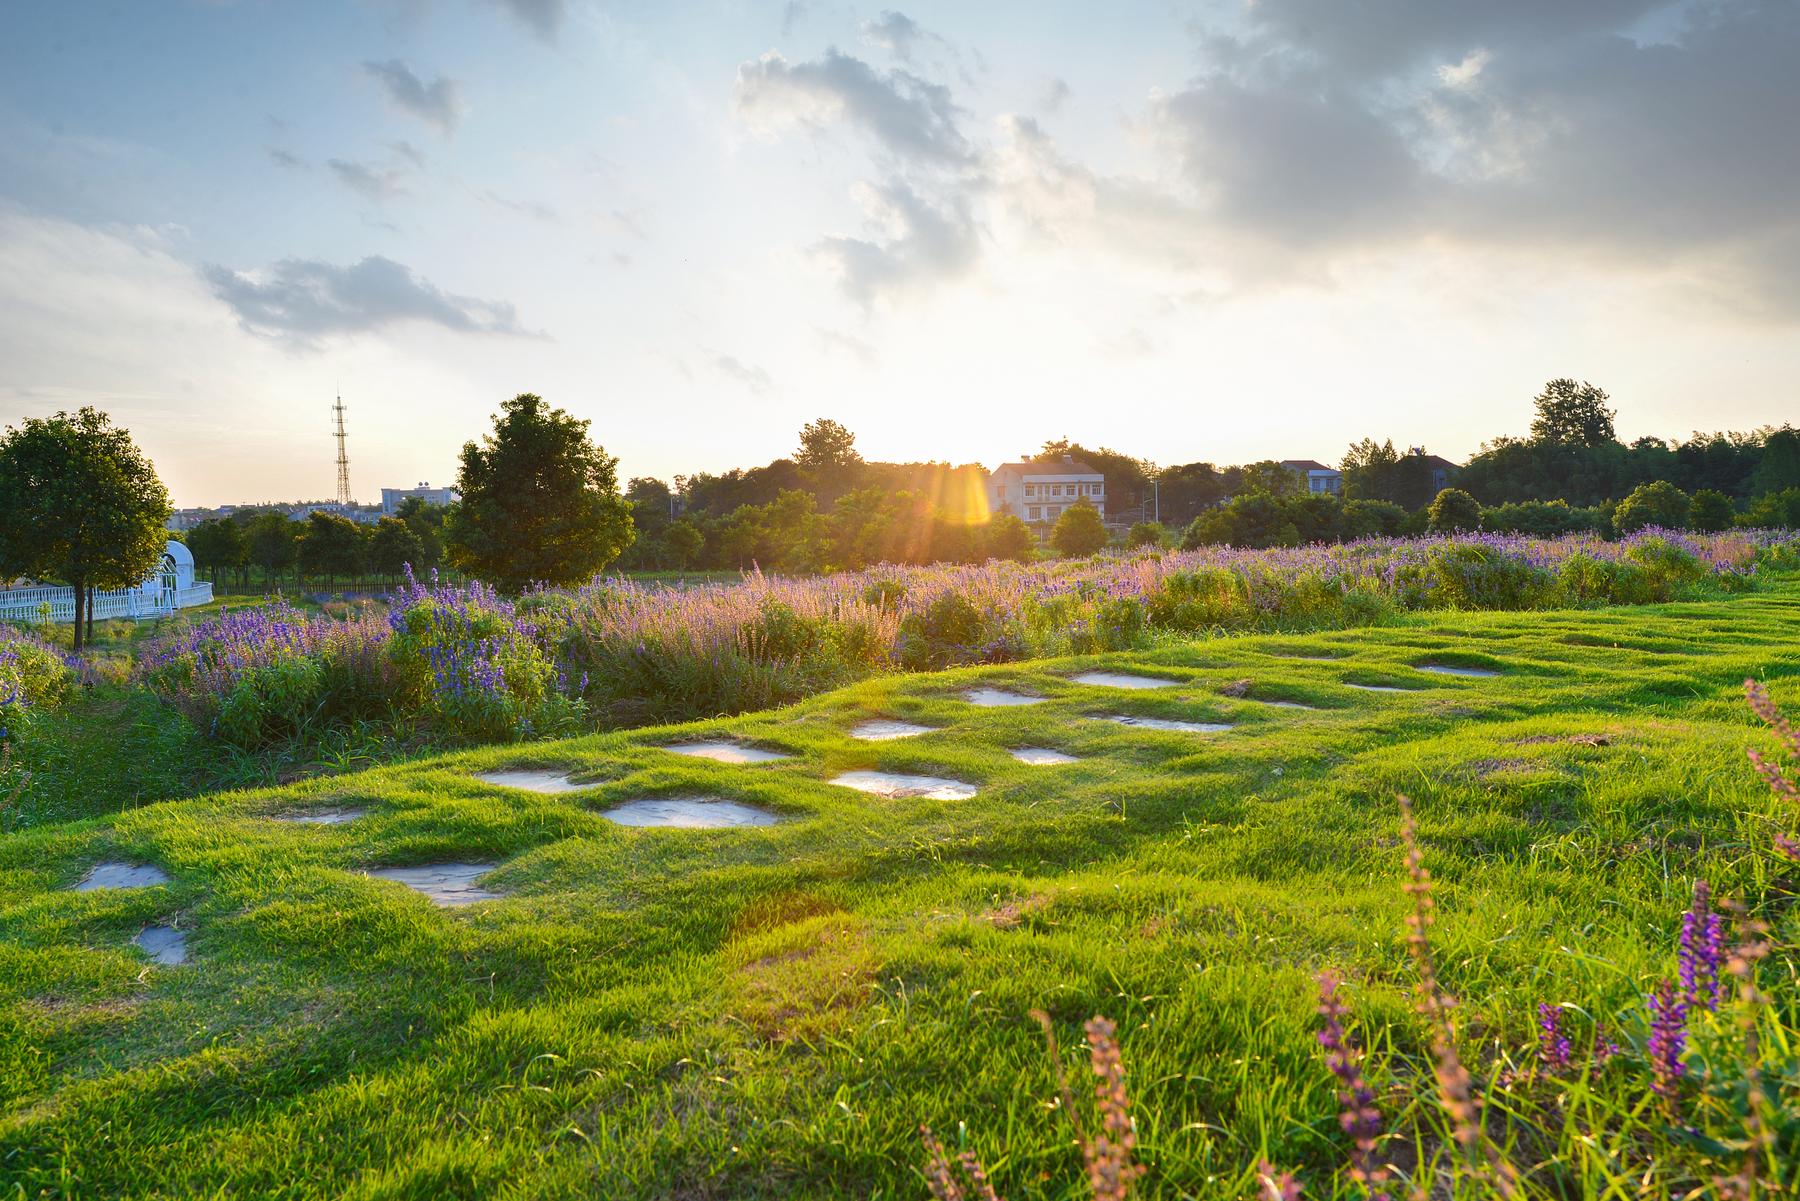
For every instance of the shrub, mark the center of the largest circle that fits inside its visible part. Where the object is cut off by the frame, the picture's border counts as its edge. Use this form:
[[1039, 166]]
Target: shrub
[[1008, 537], [1668, 568], [1452, 512], [1542, 519], [1711, 511], [32, 675], [1079, 532], [1658, 503], [1146, 533], [1474, 576]]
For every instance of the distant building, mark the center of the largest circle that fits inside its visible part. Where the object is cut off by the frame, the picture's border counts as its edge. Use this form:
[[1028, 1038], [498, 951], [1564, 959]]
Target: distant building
[[1319, 479], [1039, 491], [391, 498], [1442, 469]]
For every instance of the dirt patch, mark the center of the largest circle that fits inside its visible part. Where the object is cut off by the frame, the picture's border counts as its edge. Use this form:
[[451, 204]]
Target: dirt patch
[[807, 988], [782, 909], [1568, 739], [1236, 688], [1012, 914]]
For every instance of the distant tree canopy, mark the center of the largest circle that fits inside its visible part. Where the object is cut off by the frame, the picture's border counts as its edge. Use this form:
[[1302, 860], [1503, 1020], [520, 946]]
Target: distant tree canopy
[[1572, 414], [1453, 511], [83, 505], [331, 546], [218, 545], [1080, 531], [540, 501], [394, 547], [1658, 503]]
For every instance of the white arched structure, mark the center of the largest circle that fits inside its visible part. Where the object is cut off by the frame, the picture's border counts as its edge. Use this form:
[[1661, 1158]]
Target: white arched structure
[[170, 587]]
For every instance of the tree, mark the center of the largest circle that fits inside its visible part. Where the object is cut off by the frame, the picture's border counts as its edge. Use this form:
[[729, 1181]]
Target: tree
[[1268, 477], [1572, 414], [1369, 469], [1008, 537], [1778, 467], [1711, 511], [272, 543], [1080, 531], [394, 547], [540, 501], [330, 547], [218, 543], [82, 505], [426, 521], [684, 542], [826, 448], [1454, 511], [1658, 503]]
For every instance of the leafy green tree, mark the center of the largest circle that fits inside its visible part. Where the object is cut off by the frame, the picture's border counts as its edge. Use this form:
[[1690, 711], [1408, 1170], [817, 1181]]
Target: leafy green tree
[[1372, 518], [1778, 466], [1370, 470], [426, 521], [1775, 510], [1008, 537], [1080, 531], [1145, 533], [1658, 503], [826, 447], [1453, 511], [540, 501], [1711, 511], [1269, 478], [332, 546], [393, 547], [82, 504], [218, 544], [272, 543], [1572, 414], [684, 542]]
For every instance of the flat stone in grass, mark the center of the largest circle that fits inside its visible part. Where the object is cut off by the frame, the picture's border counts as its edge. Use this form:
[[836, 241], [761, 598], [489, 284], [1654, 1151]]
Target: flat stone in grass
[[886, 730], [1170, 724], [1375, 687], [724, 752], [1120, 679], [532, 780], [1451, 669], [321, 817], [689, 813], [121, 875], [1042, 756], [444, 883], [893, 784], [164, 944], [998, 698]]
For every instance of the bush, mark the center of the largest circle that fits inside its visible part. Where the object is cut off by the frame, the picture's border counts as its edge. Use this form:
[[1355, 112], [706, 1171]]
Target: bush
[[1474, 576], [1453, 512], [1008, 537], [1659, 503], [1079, 532], [1372, 518], [1711, 511], [1667, 567], [1542, 519], [32, 675], [1146, 533]]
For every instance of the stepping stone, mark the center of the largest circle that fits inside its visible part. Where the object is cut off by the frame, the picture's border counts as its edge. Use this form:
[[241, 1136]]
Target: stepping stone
[[884, 730], [1377, 687], [724, 752], [533, 780], [1041, 756], [444, 883], [164, 944], [1164, 723], [893, 785], [995, 698], [121, 875], [689, 813], [1446, 669], [322, 817], [1119, 679]]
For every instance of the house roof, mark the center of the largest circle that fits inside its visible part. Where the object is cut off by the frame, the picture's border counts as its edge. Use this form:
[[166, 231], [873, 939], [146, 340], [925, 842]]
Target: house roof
[[1305, 465], [1441, 461], [1062, 466]]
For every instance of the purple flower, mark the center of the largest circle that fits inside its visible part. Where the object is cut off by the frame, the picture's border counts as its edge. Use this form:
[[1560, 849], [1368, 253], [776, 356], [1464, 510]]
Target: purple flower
[[1701, 952], [1668, 1038], [1553, 1043]]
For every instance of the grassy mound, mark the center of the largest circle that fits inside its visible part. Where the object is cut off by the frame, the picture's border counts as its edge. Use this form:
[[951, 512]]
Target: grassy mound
[[772, 1011]]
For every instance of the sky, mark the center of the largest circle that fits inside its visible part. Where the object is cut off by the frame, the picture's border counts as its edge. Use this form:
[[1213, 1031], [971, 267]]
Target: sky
[[1217, 230]]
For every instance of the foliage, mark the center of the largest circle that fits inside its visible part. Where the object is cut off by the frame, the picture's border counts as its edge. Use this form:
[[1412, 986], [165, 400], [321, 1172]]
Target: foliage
[[1655, 504], [272, 542], [1080, 531], [1544, 519], [1711, 511], [33, 674], [1146, 533], [540, 501], [1572, 414], [218, 545], [394, 547], [1008, 537], [1453, 512], [82, 504], [331, 546]]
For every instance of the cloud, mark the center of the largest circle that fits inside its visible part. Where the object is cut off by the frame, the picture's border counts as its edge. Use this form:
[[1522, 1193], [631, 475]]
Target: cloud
[[913, 244], [437, 103], [302, 300], [747, 374], [1055, 94], [833, 340], [910, 118], [370, 180], [522, 208], [282, 158], [792, 13], [543, 18]]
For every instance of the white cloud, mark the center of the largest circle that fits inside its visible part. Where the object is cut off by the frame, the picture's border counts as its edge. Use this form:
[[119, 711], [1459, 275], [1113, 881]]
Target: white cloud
[[437, 103], [302, 300]]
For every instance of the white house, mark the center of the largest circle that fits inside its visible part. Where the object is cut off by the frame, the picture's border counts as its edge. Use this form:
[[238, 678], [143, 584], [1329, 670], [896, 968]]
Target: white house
[[391, 497], [1318, 478], [170, 587], [1041, 490]]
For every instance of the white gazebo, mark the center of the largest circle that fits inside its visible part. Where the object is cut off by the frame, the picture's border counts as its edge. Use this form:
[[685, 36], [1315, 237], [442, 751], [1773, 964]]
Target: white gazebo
[[170, 587]]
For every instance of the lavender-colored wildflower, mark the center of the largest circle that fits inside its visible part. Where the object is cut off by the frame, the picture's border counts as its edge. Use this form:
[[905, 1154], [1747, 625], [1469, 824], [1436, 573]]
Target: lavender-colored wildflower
[[1668, 1038], [1701, 952], [1360, 1118], [1553, 1042]]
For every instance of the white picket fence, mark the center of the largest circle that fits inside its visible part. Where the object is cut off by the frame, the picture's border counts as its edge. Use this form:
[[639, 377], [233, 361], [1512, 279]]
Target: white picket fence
[[53, 605]]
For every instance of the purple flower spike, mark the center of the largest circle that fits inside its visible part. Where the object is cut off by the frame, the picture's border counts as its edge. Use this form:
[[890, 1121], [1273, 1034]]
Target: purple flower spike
[[1553, 1044], [1702, 951], [1668, 1038]]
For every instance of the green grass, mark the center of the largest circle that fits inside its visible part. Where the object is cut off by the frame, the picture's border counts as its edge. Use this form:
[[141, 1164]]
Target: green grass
[[772, 1012]]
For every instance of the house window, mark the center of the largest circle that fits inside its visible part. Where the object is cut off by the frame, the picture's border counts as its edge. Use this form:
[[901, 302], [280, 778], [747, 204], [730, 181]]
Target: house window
[[1034, 513]]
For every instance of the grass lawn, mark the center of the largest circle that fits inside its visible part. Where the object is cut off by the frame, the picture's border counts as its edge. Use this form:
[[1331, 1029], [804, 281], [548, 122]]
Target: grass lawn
[[772, 1011]]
